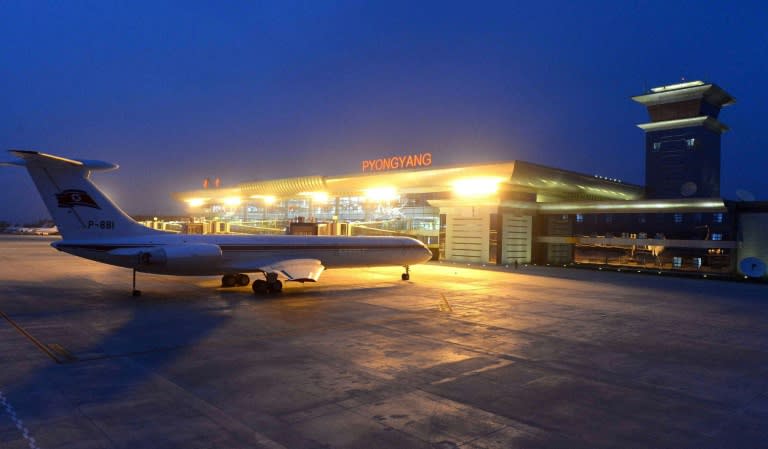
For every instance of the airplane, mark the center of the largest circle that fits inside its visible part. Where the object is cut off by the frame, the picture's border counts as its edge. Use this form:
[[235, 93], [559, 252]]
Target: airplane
[[94, 227], [45, 230]]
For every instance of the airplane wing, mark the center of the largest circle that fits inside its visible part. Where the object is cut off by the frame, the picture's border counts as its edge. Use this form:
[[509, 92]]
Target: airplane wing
[[300, 270]]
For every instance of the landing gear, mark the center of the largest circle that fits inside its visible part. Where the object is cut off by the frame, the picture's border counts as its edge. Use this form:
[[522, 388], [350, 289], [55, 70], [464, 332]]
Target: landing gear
[[232, 280], [242, 280], [228, 280], [269, 285], [135, 292], [407, 275], [259, 286]]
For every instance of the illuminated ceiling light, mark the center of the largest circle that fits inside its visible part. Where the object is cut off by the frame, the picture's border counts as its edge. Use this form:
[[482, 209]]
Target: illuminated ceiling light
[[317, 197], [381, 194], [232, 201], [269, 199], [476, 186], [195, 202], [320, 197]]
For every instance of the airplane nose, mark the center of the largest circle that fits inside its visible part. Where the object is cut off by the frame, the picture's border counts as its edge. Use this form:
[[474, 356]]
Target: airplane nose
[[427, 252]]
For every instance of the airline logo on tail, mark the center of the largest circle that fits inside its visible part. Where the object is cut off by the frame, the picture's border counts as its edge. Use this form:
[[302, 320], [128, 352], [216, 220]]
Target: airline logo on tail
[[72, 198]]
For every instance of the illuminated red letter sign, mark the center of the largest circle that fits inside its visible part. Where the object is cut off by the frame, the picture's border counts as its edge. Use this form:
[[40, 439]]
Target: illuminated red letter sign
[[397, 162]]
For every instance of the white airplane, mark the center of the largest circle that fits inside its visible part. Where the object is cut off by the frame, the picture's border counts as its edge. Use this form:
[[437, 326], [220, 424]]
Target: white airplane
[[46, 230], [93, 227]]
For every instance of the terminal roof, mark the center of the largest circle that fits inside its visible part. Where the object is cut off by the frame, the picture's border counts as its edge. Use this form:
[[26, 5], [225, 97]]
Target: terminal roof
[[511, 175]]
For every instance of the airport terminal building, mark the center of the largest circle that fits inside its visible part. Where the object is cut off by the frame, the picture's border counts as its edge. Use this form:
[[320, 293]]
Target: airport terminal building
[[514, 212]]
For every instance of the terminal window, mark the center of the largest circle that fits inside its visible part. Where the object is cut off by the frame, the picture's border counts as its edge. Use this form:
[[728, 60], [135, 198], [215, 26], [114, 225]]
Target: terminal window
[[690, 143], [678, 218], [579, 218], [656, 146], [717, 236], [717, 218], [677, 262]]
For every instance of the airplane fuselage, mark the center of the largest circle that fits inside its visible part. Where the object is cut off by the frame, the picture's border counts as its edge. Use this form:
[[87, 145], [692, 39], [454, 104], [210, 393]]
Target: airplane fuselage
[[237, 252]]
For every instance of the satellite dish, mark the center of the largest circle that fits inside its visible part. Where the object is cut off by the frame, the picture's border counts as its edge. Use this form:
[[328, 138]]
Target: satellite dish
[[744, 195], [688, 189], [752, 267]]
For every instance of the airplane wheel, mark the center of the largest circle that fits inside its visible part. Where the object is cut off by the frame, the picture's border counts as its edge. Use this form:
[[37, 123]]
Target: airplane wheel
[[405, 276], [276, 287], [228, 280], [259, 286], [242, 280]]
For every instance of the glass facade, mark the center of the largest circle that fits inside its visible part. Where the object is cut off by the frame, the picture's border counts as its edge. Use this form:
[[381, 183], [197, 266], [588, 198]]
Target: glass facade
[[676, 241], [408, 215]]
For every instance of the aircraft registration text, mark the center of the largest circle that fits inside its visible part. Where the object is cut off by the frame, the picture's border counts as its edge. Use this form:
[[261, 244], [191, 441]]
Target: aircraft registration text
[[101, 224]]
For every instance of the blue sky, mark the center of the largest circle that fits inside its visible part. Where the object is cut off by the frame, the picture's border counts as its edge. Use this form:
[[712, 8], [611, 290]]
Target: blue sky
[[178, 91]]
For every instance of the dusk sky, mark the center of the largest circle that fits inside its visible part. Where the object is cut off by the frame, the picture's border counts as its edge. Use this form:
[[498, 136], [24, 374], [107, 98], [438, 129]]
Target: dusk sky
[[178, 91]]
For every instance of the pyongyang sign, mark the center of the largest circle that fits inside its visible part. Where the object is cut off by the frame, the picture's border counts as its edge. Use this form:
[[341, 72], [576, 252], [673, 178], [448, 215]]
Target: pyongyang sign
[[397, 162]]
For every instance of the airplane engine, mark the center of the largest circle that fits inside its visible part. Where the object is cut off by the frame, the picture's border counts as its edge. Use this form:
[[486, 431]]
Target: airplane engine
[[199, 254]]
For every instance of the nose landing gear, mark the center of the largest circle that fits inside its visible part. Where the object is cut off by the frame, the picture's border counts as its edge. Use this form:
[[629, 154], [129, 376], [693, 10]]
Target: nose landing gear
[[407, 275], [135, 292]]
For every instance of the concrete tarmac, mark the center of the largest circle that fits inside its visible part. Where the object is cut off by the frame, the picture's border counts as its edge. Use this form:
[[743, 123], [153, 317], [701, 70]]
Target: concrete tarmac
[[455, 358]]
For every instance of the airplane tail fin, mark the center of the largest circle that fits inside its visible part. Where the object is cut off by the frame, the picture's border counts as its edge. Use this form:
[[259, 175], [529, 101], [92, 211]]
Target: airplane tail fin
[[79, 208]]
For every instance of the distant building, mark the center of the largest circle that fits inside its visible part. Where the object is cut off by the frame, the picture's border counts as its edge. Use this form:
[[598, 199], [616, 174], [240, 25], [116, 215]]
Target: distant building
[[518, 212]]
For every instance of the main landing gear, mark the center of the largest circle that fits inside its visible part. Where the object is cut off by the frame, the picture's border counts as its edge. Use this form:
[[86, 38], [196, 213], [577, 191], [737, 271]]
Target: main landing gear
[[235, 280], [407, 275], [268, 285]]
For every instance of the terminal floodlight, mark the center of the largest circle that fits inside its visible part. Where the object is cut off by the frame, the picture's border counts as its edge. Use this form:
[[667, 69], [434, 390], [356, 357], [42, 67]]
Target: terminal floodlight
[[267, 199], [317, 197], [476, 187], [381, 194], [195, 202], [232, 201]]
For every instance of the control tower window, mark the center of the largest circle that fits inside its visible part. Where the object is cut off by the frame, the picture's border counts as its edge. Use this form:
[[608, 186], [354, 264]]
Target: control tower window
[[691, 143], [656, 146]]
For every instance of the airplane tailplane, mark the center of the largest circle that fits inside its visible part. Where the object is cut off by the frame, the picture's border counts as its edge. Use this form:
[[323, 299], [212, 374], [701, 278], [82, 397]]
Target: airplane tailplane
[[81, 211]]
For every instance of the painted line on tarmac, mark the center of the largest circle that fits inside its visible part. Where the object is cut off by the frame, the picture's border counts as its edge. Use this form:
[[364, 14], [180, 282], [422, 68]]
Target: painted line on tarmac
[[18, 422], [31, 338], [495, 365]]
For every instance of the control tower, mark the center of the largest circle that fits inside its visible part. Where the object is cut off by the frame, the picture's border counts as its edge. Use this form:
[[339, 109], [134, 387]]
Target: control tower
[[682, 139]]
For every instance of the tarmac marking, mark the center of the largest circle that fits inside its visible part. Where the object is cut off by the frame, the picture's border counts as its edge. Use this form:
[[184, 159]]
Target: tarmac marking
[[444, 306], [496, 365], [31, 338], [17, 422]]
